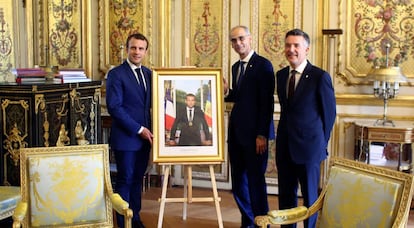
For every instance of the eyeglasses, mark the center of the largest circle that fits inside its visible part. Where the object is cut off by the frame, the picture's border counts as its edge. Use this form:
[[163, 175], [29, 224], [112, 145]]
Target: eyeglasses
[[240, 38]]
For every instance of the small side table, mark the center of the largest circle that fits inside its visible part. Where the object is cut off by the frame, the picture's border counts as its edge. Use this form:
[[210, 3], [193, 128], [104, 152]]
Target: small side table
[[9, 197], [366, 133]]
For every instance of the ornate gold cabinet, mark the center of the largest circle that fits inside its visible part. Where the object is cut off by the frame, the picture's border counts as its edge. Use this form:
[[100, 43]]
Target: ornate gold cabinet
[[34, 115]]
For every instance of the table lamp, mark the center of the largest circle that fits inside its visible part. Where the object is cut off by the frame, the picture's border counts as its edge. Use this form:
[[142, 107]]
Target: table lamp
[[386, 83]]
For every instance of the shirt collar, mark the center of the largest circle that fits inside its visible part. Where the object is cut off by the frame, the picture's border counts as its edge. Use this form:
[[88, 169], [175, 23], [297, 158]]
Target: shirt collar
[[300, 68], [247, 58], [133, 66]]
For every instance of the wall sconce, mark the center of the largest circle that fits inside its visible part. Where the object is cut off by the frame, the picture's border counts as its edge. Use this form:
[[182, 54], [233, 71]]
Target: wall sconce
[[386, 85]]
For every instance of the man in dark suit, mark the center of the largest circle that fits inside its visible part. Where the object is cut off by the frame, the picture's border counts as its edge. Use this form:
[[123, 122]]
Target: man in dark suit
[[308, 111], [253, 85], [190, 128], [128, 98]]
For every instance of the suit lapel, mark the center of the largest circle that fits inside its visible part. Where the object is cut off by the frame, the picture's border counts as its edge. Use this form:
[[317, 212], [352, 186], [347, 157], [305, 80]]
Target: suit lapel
[[284, 74], [249, 66], [234, 76], [302, 82]]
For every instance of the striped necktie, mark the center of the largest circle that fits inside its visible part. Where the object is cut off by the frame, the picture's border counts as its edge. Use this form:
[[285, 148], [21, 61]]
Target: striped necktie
[[140, 79], [291, 87]]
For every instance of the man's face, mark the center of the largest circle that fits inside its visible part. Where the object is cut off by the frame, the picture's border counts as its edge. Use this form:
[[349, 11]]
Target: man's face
[[190, 101], [137, 49], [241, 42], [296, 50]]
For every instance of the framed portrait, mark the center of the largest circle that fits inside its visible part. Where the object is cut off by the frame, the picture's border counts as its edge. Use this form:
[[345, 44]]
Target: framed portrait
[[188, 115]]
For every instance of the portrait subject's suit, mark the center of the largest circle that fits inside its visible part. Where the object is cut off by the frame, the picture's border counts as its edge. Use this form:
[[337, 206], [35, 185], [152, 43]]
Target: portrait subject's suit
[[129, 107], [251, 116], [190, 133], [303, 132]]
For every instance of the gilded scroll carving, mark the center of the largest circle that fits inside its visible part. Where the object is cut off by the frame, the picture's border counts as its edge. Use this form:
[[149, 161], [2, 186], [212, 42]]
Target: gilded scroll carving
[[14, 142], [92, 115], [75, 101], [40, 104], [63, 111], [14, 138]]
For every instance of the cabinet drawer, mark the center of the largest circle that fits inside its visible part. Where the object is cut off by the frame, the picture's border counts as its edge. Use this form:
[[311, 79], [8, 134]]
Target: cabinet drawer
[[386, 136]]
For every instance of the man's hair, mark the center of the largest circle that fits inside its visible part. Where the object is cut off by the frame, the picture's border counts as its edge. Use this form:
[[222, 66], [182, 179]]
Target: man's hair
[[189, 95], [137, 36], [298, 32], [245, 28]]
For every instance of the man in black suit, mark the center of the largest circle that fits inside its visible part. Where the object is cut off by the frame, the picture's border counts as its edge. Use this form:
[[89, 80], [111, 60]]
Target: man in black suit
[[308, 111], [190, 128], [253, 85]]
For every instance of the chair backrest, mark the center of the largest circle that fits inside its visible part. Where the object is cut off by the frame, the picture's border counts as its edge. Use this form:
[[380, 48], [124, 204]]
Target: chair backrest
[[66, 186], [361, 195]]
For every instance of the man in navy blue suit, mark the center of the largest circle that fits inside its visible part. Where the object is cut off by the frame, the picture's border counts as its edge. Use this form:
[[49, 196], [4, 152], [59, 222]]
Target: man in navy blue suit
[[252, 90], [128, 98], [308, 111]]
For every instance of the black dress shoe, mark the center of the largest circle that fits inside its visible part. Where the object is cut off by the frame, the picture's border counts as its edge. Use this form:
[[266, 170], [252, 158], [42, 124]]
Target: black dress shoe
[[137, 224]]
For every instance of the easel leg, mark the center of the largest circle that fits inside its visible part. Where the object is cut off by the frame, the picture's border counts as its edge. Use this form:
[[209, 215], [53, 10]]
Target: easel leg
[[163, 195], [216, 197], [185, 194]]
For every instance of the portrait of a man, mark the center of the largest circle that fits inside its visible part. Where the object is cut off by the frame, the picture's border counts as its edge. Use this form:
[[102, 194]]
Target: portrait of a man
[[188, 123], [190, 126]]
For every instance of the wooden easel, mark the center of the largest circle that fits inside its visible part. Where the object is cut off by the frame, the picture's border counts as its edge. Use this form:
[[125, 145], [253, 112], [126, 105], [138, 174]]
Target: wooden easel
[[188, 192]]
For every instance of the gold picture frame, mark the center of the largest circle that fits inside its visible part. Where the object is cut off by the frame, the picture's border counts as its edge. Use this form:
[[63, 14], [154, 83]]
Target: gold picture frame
[[170, 86]]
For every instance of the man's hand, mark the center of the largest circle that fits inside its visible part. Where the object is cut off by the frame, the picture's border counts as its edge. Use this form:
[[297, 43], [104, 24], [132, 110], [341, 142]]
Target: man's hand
[[225, 86], [172, 143], [206, 143], [261, 144], [146, 134]]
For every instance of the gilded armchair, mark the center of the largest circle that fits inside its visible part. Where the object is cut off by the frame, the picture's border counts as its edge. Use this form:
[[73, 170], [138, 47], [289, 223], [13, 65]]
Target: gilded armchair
[[67, 186], [356, 195]]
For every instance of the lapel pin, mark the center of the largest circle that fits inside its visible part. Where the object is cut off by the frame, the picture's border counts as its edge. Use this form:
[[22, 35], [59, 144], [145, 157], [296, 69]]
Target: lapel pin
[[306, 76]]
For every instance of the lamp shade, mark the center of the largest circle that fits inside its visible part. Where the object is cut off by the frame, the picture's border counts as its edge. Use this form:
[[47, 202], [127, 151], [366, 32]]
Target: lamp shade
[[388, 74]]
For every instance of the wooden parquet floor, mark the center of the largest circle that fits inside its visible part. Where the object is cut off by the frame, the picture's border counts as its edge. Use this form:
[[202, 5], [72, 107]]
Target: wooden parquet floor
[[200, 214]]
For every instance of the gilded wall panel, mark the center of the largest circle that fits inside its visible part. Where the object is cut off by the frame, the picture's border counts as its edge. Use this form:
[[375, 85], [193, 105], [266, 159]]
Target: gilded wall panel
[[276, 17], [370, 27], [117, 20], [203, 45], [7, 40], [61, 33], [65, 33]]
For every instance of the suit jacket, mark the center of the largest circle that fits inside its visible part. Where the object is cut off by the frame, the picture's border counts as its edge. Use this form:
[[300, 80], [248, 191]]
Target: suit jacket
[[128, 105], [306, 119], [253, 108], [190, 134]]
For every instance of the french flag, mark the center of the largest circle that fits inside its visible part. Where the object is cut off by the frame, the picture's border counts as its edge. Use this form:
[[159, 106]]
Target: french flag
[[169, 109], [207, 111]]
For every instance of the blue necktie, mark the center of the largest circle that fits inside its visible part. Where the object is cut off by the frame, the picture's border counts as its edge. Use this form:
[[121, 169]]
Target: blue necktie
[[140, 79], [241, 74], [291, 87]]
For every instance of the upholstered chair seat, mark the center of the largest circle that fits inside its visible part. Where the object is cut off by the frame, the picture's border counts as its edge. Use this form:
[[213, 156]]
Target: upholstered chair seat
[[9, 196], [67, 186], [356, 195]]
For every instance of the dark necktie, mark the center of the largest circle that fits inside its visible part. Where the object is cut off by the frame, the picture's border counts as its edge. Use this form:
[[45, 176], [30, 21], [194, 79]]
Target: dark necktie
[[291, 88], [190, 115], [241, 74], [140, 79]]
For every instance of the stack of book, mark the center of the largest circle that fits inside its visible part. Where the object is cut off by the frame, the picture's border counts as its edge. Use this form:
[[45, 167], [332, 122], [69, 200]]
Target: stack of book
[[73, 75], [41, 75]]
